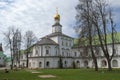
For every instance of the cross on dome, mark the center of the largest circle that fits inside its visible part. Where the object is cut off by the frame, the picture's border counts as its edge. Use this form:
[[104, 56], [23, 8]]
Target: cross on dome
[[57, 16]]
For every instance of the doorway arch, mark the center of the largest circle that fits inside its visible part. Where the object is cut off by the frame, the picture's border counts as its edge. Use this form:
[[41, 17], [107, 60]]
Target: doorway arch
[[86, 64], [115, 63]]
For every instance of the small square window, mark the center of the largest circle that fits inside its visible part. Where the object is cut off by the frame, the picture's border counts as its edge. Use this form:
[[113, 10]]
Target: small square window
[[47, 51], [75, 54]]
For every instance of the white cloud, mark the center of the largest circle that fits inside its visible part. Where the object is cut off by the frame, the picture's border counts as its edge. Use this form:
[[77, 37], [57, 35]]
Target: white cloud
[[37, 15], [114, 3]]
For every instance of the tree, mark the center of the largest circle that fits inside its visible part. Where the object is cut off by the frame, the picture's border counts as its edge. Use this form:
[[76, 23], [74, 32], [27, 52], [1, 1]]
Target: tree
[[29, 39], [12, 39], [8, 41], [95, 19], [84, 26], [74, 65], [17, 46], [60, 63], [104, 23]]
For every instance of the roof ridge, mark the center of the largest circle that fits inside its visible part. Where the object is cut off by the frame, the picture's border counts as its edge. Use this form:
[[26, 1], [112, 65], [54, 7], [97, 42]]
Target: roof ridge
[[56, 34], [46, 40]]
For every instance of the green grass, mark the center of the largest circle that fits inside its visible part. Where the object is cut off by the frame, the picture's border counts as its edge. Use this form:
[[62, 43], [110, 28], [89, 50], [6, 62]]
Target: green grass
[[63, 74]]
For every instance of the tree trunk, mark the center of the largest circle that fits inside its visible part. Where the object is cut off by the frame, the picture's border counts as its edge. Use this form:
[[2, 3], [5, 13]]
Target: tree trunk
[[19, 57], [11, 66], [27, 60], [60, 63], [95, 62], [90, 36], [96, 66], [93, 54], [109, 65]]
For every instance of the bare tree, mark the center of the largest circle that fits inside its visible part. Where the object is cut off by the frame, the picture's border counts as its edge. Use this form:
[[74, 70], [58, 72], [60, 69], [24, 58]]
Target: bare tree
[[17, 47], [29, 39], [8, 40], [103, 21], [95, 19], [84, 24], [11, 40]]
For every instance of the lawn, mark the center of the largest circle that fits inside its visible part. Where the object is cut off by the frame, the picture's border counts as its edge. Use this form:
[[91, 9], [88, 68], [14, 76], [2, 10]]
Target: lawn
[[62, 74]]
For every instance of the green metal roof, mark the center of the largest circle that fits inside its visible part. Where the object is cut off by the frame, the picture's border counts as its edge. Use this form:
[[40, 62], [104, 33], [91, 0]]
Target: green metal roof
[[84, 41], [22, 51], [1, 54], [8, 59]]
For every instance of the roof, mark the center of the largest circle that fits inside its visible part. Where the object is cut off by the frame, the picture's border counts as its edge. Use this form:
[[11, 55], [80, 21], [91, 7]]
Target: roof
[[22, 51], [1, 54], [46, 41], [43, 41], [8, 59], [57, 34], [85, 41]]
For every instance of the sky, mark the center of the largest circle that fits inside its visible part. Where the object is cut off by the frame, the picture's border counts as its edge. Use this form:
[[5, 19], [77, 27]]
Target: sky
[[37, 15]]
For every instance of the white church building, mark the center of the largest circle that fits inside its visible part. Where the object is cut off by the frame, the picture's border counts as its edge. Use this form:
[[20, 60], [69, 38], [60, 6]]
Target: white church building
[[57, 49]]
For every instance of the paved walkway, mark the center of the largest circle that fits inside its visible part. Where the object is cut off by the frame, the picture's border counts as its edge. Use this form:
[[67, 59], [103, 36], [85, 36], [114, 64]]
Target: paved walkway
[[46, 76], [2, 68], [34, 71]]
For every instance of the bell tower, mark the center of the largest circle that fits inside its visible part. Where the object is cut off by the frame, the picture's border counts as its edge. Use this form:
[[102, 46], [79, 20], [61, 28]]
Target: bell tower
[[57, 27]]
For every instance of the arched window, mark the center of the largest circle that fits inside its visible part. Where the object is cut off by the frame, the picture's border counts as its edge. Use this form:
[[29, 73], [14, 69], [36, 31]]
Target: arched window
[[67, 54], [104, 63], [115, 52], [93, 64], [97, 51], [56, 52], [33, 64], [47, 64], [47, 51], [62, 43], [66, 44], [62, 53], [23, 64], [115, 63], [65, 63], [75, 54], [86, 54], [29, 64], [86, 64], [21, 56], [40, 64], [78, 64], [70, 44], [36, 52], [81, 52]]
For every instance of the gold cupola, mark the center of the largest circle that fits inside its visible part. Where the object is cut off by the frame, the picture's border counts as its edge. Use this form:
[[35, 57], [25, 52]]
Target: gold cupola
[[57, 16]]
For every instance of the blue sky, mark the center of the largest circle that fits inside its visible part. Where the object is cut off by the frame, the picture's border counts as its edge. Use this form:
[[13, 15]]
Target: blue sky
[[37, 15]]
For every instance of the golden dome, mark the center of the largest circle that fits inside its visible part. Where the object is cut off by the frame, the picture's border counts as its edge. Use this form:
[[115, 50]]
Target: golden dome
[[57, 16]]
